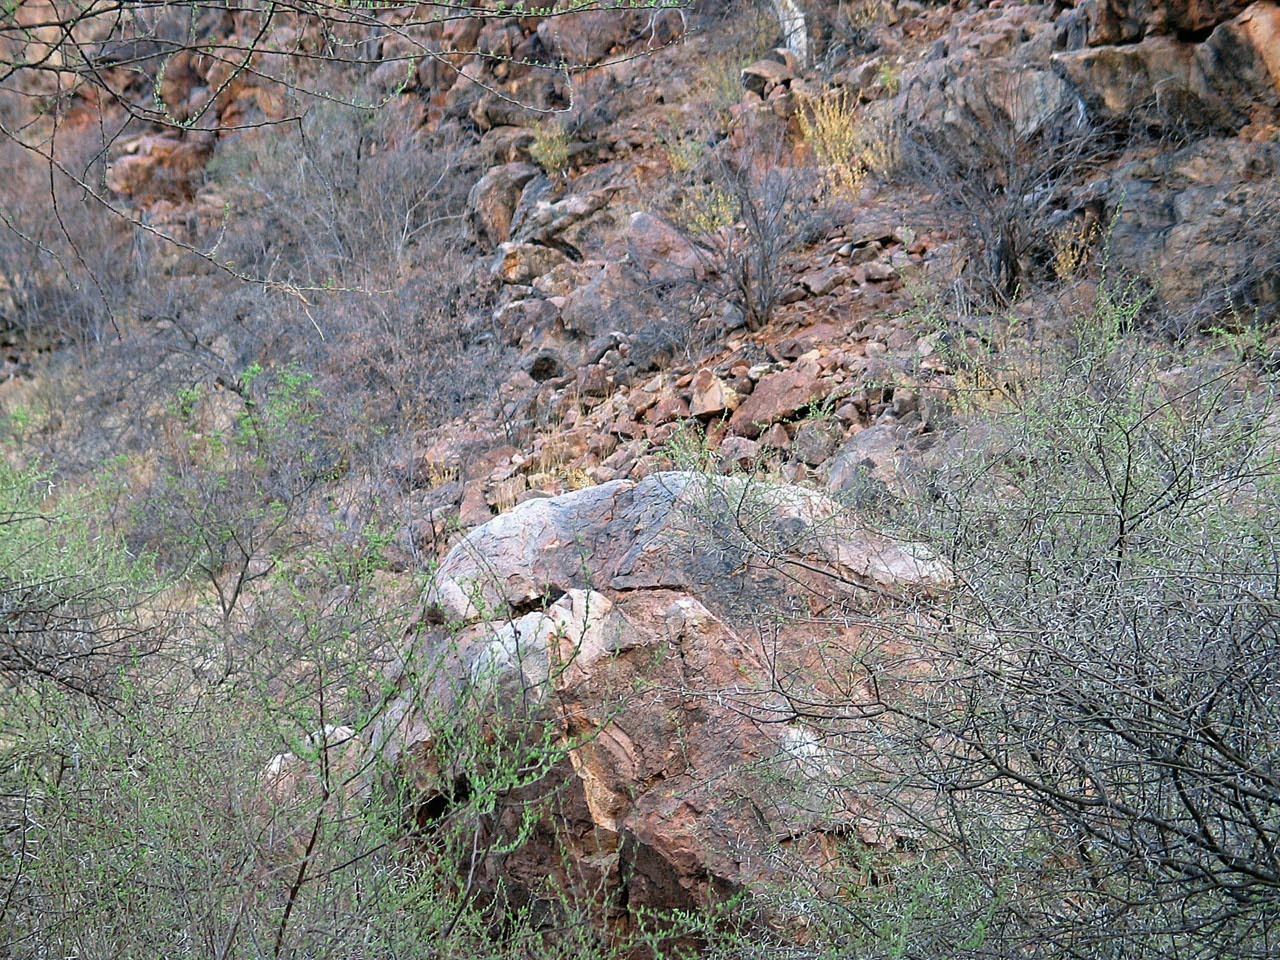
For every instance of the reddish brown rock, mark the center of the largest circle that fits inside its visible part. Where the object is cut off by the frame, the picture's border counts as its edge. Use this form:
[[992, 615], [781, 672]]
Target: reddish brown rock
[[1260, 23], [555, 451], [667, 410], [775, 438], [474, 509], [158, 168], [877, 271], [493, 199], [593, 380], [738, 452], [872, 454], [522, 263], [1124, 21], [822, 282], [780, 396], [815, 441], [660, 252], [625, 427], [1218, 81], [710, 397], [586, 38], [602, 444], [563, 608]]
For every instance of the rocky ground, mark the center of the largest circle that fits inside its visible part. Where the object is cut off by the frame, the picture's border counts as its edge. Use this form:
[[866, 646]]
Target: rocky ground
[[850, 337], [1015, 156]]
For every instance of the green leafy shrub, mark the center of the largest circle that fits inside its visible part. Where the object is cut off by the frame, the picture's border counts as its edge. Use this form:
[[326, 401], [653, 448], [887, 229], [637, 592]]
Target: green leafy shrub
[[68, 596], [155, 803], [550, 148]]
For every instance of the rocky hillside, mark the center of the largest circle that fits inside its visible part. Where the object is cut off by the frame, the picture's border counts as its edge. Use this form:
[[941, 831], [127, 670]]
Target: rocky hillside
[[636, 481]]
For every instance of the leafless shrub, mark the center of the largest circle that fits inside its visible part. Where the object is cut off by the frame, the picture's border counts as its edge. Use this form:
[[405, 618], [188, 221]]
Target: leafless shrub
[[742, 215], [1073, 751], [65, 266], [1003, 172], [344, 203]]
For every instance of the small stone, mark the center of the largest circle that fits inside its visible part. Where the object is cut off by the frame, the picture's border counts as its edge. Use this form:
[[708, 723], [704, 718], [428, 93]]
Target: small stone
[[878, 271], [594, 381], [823, 282], [872, 452], [905, 402], [738, 452], [815, 442], [710, 397], [667, 410], [776, 438], [731, 318], [866, 252], [661, 434], [847, 413], [899, 339], [625, 427], [602, 444], [661, 252]]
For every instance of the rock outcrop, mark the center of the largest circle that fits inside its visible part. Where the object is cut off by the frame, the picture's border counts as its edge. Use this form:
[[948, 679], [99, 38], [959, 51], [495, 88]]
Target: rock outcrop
[[492, 201], [1215, 66], [647, 625]]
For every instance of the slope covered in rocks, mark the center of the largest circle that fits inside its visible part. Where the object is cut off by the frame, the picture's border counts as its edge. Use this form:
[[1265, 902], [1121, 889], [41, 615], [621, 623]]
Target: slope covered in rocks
[[740, 479]]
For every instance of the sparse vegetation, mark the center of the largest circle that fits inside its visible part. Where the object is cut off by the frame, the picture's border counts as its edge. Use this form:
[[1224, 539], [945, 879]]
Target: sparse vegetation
[[856, 21], [1076, 742], [550, 148], [474, 483], [1004, 177], [744, 214], [830, 127]]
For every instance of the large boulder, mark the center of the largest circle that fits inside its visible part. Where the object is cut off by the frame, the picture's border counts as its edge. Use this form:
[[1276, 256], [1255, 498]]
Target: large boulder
[[661, 532], [868, 461], [645, 623], [1200, 222], [661, 252], [155, 167], [781, 396], [968, 108], [1124, 21], [585, 38], [1221, 77], [492, 201], [611, 302], [522, 263]]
